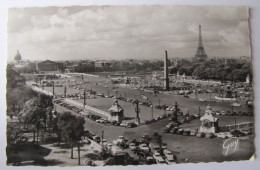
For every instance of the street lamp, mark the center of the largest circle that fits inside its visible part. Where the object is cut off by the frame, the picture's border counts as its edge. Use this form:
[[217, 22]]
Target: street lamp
[[137, 111], [116, 94], [152, 111], [84, 96], [235, 123]]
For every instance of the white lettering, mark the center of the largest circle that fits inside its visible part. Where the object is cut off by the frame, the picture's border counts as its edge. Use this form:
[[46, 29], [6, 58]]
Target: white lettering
[[231, 143]]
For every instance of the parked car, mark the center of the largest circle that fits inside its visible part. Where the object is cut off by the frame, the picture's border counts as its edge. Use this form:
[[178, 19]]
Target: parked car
[[200, 135], [222, 135], [100, 120], [217, 113], [170, 159], [193, 133], [180, 131], [150, 160], [166, 130], [246, 131], [132, 146], [157, 156], [131, 125], [144, 147], [186, 132], [209, 135], [223, 113]]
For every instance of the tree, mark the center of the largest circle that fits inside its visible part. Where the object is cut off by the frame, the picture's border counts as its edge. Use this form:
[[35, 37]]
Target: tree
[[34, 112], [71, 128], [16, 98]]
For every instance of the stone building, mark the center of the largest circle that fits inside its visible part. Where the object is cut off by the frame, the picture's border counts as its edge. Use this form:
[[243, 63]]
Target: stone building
[[47, 66], [116, 112]]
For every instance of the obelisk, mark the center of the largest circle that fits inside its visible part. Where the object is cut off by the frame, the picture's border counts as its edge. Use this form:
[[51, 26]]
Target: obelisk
[[166, 76]]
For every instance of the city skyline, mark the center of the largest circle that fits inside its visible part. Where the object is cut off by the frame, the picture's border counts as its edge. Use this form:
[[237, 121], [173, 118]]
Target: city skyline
[[126, 32]]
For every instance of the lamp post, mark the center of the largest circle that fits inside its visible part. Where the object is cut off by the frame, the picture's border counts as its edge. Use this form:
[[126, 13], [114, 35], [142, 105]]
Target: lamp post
[[199, 111], [137, 111], [152, 111], [116, 94], [65, 91], [53, 92], [176, 112], [235, 123], [84, 96]]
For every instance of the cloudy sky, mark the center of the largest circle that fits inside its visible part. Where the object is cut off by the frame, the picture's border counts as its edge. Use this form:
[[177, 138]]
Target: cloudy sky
[[124, 32]]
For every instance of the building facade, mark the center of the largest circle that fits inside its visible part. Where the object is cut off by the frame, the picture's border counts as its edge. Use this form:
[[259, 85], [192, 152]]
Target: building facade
[[47, 66]]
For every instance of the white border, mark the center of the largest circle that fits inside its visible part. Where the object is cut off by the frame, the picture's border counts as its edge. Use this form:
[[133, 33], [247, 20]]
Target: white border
[[254, 6]]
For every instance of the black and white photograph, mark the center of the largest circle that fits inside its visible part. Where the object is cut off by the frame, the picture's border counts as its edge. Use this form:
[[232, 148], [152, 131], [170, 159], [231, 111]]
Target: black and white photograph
[[113, 85]]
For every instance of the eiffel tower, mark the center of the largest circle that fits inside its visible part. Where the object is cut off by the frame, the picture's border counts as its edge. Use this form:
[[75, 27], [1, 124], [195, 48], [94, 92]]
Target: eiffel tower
[[200, 54]]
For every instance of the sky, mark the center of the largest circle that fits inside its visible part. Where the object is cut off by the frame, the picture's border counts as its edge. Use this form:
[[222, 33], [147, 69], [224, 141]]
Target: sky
[[126, 32]]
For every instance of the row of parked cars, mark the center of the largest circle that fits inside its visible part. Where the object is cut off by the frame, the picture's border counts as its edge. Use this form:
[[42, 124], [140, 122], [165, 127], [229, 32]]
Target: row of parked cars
[[229, 113], [68, 106], [152, 152], [174, 128]]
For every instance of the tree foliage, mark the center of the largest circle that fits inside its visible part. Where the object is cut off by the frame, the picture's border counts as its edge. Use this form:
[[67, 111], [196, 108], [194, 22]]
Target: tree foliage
[[212, 69], [71, 128]]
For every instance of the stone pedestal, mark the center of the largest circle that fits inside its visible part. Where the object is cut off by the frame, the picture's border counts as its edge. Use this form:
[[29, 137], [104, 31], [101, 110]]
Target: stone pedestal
[[116, 112], [209, 122]]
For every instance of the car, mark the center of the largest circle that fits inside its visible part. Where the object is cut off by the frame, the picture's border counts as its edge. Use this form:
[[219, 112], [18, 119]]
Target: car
[[100, 120], [246, 131], [144, 147], [174, 130], [87, 141], [167, 152], [217, 113], [209, 135], [180, 131], [193, 133], [159, 159], [221, 135], [145, 136], [150, 160], [223, 113], [228, 134], [170, 160], [186, 132], [131, 125], [155, 147], [123, 124], [166, 130], [164, 147], [158, 118], [132, 146], [108, 146], [200, 135], [156, 154], [96, 138], [236, 104]]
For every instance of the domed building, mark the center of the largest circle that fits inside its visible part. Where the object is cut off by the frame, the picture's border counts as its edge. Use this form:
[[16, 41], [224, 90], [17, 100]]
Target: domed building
[[18, 57]]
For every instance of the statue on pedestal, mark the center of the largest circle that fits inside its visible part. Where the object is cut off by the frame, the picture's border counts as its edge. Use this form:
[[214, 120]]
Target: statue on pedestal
[[209, 122]]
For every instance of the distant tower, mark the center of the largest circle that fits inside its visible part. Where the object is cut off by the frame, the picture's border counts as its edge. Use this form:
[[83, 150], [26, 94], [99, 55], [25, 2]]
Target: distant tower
[[18, 56], [200, 54], [166, 76]]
